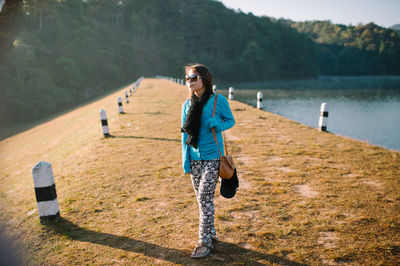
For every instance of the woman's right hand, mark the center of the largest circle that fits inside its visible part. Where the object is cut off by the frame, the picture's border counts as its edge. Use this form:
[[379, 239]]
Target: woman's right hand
[[213, 123]]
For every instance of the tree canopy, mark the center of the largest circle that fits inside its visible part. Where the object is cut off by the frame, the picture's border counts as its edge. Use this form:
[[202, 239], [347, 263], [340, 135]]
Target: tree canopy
[[60, 53], [56, 54], [353, 50]]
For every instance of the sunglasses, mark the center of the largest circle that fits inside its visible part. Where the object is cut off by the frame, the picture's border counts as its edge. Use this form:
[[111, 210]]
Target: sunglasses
[[193, 78]]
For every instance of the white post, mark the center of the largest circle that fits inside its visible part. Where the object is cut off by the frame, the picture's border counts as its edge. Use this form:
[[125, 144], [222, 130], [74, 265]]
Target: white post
[[104, 123], [126, 97], [45, 190], [259, 100], [130, 91], [214, 88], [231, 89], [323, 118], [121, 110]]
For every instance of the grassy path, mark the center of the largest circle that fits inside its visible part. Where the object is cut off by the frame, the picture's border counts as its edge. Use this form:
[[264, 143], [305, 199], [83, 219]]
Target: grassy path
[[305, 197]]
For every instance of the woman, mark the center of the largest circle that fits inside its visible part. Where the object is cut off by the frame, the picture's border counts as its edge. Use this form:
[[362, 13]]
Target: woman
[[200, 156]]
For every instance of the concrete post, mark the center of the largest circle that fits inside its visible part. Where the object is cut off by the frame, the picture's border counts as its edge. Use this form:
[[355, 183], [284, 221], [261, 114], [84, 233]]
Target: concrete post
[[121, 110], [104, 123], [126, 97], [259, 100], [323, 118], [45, 190], [231, 93]]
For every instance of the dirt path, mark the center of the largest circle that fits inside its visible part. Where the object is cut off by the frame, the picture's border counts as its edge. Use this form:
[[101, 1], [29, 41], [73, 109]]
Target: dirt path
[[305, 197]]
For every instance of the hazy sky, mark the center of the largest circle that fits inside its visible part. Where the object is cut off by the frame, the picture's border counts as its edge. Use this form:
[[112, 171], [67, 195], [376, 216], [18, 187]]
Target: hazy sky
[[382, 12]]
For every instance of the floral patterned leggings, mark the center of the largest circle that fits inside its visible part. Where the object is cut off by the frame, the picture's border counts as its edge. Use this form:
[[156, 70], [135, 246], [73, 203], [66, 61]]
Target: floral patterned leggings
[[204, 176]]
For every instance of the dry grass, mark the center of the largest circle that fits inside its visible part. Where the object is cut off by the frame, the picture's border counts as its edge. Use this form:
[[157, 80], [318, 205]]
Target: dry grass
[[306, 197]]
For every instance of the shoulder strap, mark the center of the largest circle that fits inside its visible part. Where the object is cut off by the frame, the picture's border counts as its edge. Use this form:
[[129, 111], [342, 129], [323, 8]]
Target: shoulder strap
[[213, 131], [215, 105]]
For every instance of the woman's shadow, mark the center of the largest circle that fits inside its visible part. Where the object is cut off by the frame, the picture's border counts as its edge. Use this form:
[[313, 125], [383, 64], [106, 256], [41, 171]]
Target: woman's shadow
[[226, 253]]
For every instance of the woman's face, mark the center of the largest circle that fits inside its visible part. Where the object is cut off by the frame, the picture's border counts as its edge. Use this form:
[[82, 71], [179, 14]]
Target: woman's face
[[195, 86]]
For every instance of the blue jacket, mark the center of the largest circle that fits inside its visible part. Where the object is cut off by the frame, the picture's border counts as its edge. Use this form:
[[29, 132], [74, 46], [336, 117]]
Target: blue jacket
[[206, 146]]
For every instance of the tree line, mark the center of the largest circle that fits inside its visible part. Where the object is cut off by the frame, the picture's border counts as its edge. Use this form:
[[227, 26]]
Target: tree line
[[57, 54], [353, 50]]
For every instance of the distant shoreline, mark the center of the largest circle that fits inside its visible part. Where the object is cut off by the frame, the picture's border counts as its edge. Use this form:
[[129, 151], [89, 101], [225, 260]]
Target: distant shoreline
[[322, 82]]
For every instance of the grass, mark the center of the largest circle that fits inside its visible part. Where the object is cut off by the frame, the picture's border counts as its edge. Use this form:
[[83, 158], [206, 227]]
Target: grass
[[305, 197]]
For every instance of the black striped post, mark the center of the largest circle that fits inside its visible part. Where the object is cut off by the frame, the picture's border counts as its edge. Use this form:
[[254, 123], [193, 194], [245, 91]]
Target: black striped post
[[121, 110], [126, 97], [323, 118], [259, 100], [231, 93], [130, 91], [137, 84], [104, 123], [45, 190]]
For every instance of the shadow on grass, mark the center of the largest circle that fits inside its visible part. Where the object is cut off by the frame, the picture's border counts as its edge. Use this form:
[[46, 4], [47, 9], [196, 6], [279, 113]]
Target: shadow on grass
[[136, 137], [234, 254], [225, 253]]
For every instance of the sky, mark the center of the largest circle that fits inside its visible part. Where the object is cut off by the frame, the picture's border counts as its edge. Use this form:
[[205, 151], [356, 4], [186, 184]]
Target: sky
[[384, 13]]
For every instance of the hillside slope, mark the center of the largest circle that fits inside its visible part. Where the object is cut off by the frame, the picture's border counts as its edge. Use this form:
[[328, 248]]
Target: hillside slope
[[305, 196], [353, 50], [67, 52]]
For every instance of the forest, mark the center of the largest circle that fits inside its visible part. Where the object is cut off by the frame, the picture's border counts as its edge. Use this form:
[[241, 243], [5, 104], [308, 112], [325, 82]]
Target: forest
[[57, 54], [353, 50]]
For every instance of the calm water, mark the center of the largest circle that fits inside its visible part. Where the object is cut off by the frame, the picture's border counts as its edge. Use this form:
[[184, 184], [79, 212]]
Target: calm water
[[366, 108]]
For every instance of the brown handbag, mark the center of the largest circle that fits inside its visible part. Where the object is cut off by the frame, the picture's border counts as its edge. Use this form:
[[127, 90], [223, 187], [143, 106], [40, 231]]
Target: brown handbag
[[227, 166]]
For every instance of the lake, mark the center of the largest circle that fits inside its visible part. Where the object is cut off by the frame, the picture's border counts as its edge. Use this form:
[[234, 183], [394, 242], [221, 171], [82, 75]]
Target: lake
[[363, 108]]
